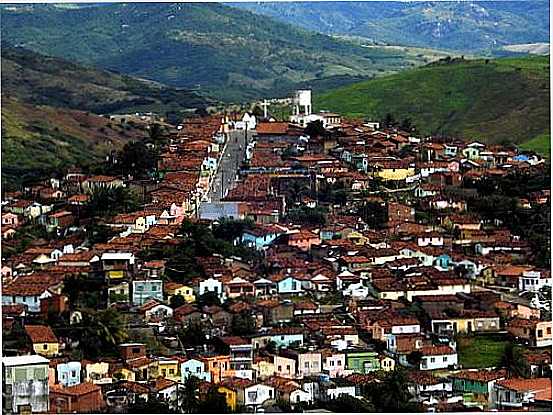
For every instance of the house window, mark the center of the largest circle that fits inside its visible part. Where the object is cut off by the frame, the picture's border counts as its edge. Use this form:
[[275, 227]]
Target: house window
[[73, 373], [45, 346], [432, 360], [163, 372], [549, 330], [270, 393], [280, 368], [288, 368], [171, 371], [306, 365], [445, 358], [540, 333]]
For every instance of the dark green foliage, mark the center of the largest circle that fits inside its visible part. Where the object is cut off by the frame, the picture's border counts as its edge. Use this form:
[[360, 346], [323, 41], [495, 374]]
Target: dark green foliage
[[208, 299], [307, 216], [150, 406], [514, 360], [392, 394], [243, 324], [188, 395], [176, 301], [136, 160], [414, 358], [99, 332], [374, 214], [315, 129], [349, 404], [213, 403], [111, 201], [193, 335], [229, 229]]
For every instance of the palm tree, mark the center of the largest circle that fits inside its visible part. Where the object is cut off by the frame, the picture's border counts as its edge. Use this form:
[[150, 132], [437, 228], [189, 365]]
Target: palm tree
[[102, 330], [188, 395]]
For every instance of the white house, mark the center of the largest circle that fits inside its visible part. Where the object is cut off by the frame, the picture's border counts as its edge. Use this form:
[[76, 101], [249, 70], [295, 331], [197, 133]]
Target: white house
[[255, 395], [213, 285], [437, 357], [533, 281]]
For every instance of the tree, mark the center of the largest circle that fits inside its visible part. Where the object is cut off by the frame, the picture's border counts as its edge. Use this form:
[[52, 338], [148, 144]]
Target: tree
[[315, 129], [414, 358], [209, 298], [213, 403], [150, 406], [136, 159], [389, 121], [392, 395], [188, 395], [193, 334], [514, 361], [243, 324], [230, 229], [176, 301], [112, 201], [101, 330], [347, 403]]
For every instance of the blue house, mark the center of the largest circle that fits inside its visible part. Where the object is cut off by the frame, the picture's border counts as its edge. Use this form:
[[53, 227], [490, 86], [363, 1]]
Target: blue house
[[261, 236], [443, 261], [194, 367], [144, 290], [69, 374], [289, 285]]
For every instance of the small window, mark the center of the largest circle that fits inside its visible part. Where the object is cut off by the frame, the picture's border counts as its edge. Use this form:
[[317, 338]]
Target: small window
[[445, 358], [432, 360], [45, 346]]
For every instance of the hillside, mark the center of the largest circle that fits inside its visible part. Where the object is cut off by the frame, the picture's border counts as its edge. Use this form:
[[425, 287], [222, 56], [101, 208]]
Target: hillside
[[226, 52], [41, 80], [38, 140], [492, 100], [477, 26]]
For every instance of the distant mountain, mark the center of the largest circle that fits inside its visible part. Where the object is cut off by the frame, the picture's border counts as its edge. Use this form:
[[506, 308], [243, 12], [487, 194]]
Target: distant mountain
[[228, 53], [499, 100], [455, 25]]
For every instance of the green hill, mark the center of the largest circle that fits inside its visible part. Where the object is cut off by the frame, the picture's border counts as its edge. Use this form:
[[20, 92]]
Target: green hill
[[39, 140], [492, 100], [40, 80], [229, 53]]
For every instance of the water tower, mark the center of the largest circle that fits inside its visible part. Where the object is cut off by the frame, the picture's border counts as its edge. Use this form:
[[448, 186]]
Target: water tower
[[302, 102]]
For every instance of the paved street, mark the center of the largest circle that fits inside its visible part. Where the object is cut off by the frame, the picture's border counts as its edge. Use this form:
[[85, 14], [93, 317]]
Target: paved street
[[233, 155]]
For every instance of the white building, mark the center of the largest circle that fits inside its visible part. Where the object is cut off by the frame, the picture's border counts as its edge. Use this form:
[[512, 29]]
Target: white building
[[213, 285], [533, 281], [256, 395], [25, 384], [437, 357]]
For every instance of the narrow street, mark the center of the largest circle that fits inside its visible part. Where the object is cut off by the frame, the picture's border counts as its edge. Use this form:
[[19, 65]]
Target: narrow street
[[233, 154]]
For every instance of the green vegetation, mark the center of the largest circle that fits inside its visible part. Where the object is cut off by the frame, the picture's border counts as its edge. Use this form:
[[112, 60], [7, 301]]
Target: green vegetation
[[503, 100], [223, 51], [41, 80], [541, 144], [481, 351]]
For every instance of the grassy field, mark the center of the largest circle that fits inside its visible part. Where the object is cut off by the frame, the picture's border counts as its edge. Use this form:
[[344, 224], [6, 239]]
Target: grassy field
[[481, 351], [502, 100], [540, 144]]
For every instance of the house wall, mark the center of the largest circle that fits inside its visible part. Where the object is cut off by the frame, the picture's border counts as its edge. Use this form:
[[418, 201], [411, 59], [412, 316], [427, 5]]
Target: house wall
[[284, 367], [69, 373], [438, 362], [46, 349]]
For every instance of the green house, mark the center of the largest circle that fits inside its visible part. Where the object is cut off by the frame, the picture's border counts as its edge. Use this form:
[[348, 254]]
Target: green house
[[476, 385], [362, 361]]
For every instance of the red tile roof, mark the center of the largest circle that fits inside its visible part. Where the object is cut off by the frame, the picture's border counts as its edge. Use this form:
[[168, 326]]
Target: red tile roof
[[40, 334]]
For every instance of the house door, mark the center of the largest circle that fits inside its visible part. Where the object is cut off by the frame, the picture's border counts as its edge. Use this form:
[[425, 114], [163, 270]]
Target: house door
[[469, 326]]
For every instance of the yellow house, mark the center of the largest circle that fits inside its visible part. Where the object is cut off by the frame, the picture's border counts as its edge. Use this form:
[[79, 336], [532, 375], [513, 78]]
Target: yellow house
[[393, 170], [173, 288], [356, 238], [387, 364], [230, 396], [168, 369], [97, 372], [44, 340], [124, 374], [263, 368]]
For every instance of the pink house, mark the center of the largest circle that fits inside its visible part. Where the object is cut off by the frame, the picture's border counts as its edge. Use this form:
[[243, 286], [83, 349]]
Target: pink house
[[10, 219], [304, 240], [335, 364]]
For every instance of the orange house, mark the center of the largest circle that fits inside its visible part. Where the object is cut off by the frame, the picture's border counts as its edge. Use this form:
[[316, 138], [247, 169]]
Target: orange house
[[218, 366], [303, 240]]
